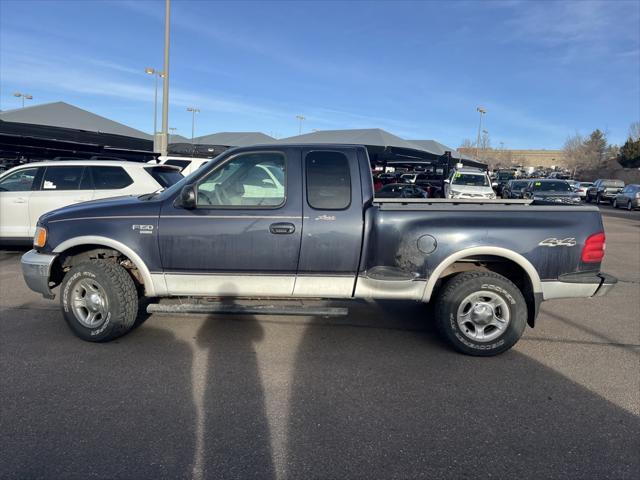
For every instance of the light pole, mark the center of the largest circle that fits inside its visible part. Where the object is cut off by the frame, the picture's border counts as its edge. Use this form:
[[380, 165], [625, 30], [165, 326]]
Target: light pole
[[25, 96], [157, 74], [165, 83], [301, 118], [193, 111], [482, 111]]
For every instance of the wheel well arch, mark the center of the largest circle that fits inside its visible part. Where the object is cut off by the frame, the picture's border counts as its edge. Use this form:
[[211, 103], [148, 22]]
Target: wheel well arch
[[109, 248], [505, 262]]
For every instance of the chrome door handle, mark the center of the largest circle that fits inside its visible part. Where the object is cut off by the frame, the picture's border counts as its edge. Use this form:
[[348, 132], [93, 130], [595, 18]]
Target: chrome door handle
[[282, 228]]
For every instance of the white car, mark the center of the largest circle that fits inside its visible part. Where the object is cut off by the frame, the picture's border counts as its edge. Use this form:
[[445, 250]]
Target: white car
[[469, 183], [31, 190], [187, 165]]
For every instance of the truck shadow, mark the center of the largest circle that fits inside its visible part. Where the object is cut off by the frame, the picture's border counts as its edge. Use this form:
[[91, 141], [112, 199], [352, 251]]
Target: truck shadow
[[378, 403]]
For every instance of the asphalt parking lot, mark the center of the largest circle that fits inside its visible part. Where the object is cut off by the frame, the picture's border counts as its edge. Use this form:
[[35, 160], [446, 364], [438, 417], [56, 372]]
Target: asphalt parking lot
[[373, 395]]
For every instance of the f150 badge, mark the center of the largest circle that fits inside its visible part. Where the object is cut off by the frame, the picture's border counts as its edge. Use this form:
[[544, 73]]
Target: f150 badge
[[143, 229], [558, 242]]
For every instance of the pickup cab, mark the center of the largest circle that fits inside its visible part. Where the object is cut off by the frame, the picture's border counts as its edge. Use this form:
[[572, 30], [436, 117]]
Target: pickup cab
[[301, 221]]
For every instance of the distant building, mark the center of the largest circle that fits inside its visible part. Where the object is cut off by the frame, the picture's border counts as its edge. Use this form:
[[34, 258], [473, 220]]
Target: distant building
[[526, 158]]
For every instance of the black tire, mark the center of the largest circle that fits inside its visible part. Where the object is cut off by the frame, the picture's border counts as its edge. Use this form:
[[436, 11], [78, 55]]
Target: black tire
[[453, 294], [614, 204], [598, 199], [116, 294], [629, 206], [587, 198]]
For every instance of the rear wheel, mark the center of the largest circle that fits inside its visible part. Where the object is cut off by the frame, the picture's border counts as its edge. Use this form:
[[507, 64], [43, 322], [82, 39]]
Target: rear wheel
[[481, 313], [99, 300]]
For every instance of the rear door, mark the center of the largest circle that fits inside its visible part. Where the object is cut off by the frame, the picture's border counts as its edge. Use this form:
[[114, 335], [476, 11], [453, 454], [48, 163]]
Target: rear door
[[15, 192], [333, 223], [243, 239], [61, 186], [108, 181]]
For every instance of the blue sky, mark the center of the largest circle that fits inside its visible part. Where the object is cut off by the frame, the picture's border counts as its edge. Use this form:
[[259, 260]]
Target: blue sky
[[543, 70]]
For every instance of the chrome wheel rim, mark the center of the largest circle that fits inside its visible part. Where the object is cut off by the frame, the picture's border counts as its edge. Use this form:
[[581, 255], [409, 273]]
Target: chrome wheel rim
[[483, 316], [89, 303]]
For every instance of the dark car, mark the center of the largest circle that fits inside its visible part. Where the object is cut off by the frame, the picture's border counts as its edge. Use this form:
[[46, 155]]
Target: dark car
[[551, 192], [604, 189], [432, 185], [401, 190], [628, 198], [502, 178], [514, 188]]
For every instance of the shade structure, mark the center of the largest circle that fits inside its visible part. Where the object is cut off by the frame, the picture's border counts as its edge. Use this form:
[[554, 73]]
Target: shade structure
[[64, 115], [381, 145], [234, 139]]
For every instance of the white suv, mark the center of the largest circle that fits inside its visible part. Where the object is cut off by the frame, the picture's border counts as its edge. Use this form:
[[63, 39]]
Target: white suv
[[469, 183], [186, 165], [33, 189]]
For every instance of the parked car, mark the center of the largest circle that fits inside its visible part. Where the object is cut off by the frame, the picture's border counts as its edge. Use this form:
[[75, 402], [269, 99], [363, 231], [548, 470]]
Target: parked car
[[628, 198], [604, 189], [502, 177], [30, 190], [581, 189], [186, 165], [322, 235], [551, 192], [409, 177], [431, 185], [401, 190], [514, 188], [468, 183]]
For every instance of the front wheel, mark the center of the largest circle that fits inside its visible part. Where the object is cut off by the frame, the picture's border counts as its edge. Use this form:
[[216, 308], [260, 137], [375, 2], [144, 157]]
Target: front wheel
[[629, 206], [481, 313], [99, 300], [615, 203]]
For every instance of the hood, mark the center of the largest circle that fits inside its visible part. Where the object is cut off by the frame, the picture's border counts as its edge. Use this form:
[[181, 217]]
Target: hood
[[471, 189], [108, 207], [553, 193]]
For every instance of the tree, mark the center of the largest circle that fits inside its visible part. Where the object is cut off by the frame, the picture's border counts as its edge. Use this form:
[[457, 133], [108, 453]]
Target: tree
[[574, 150], [467, 143], [629, 155]]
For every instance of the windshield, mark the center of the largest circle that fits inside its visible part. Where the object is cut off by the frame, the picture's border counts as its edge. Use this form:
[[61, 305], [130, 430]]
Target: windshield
[[519, 184], [613, 183], [505, 175], [470, 179], [551, 186]]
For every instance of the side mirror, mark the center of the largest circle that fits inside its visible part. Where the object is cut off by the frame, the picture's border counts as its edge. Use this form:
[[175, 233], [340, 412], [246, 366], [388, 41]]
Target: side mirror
[[188, 197], [446, 180], [494, 184]]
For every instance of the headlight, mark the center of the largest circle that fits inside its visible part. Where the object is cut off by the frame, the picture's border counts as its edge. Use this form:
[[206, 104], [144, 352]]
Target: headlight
[[40, 238]]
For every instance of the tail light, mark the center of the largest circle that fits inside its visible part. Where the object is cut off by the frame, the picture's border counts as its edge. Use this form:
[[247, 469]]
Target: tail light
[[593, 250]]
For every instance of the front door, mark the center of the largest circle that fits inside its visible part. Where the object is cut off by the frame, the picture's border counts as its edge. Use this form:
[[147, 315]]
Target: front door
[[15, 191], [243, 238]]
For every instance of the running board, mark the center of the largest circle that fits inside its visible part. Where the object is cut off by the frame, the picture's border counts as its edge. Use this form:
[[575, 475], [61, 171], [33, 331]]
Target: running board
[[190, 308]]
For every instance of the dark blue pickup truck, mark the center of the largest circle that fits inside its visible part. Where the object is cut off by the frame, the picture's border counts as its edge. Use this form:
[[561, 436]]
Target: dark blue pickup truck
[[300, 221]]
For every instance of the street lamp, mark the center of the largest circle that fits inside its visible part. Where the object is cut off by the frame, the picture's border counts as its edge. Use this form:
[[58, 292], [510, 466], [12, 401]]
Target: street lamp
[[301, 118], [482, 111], [25, 96], [193, 111], [157, 74]]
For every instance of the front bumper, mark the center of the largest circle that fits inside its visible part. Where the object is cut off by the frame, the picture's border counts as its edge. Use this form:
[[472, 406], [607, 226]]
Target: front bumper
[[36, 270], [579, 285]]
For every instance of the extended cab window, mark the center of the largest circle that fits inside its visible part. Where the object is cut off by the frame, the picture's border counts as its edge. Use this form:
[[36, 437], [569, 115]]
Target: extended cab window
[[328, 181], [249, 180], [110, 178], [62, 178], [20, 181]]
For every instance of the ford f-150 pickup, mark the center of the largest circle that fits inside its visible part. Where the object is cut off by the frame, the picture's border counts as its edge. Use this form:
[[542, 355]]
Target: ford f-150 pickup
[[300, 221]]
